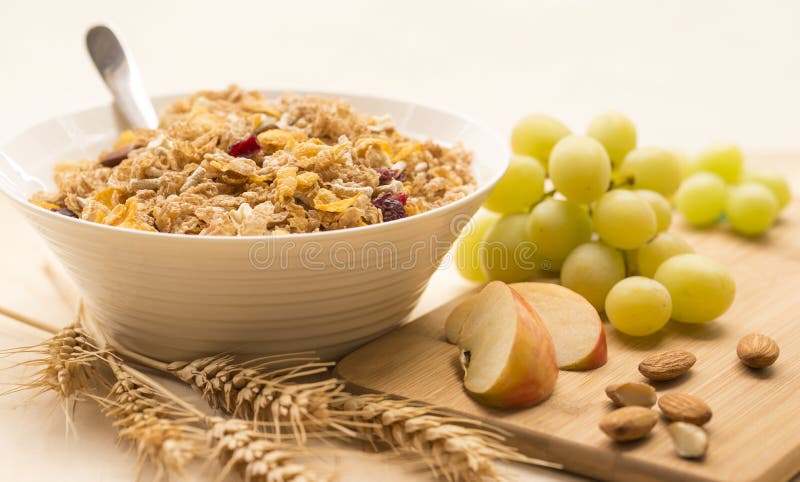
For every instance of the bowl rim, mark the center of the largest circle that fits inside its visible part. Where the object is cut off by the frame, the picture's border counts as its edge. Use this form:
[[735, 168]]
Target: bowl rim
[[319, 235]]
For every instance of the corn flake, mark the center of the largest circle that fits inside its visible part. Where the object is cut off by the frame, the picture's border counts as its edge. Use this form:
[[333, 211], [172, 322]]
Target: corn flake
[[327, 204], [46, 205]]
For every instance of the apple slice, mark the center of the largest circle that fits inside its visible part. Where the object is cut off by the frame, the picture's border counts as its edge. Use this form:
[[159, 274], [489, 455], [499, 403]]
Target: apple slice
[[507, 354], [573, 323], [453, 323]]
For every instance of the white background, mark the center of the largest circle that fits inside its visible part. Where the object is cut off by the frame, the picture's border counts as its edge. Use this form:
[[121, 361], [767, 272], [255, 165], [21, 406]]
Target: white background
[[688, 72]]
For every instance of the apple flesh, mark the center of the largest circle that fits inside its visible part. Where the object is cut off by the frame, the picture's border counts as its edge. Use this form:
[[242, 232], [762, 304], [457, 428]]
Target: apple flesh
[[453, 323], [573, 323], [507, 353]]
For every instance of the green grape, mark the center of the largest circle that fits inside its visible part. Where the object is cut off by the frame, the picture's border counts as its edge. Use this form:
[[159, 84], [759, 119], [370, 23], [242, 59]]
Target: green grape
[[580, 169], [701, 289], [624, 219], [652, 168], [664, 246], [775, 183], [631, 261], [723, 159], [468, 245], [557, 227], [591, 270], [687, 168], [751, 208], [507, 254], [520, 187], [701, 198], [660, 207], [616, 132], [638, 306], [535, 136]]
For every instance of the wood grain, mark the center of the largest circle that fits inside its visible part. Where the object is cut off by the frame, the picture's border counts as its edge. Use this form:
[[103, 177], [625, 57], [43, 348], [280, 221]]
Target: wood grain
[[755, 431]]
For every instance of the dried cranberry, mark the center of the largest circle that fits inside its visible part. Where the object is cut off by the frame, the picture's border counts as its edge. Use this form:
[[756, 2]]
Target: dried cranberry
[[388, 174], [65, 212], [246, 148], [391, 206]]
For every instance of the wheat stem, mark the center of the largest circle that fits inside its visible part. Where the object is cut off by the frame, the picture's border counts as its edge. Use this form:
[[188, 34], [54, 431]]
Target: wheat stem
[[161, 389], [133, 356], [27, 320]]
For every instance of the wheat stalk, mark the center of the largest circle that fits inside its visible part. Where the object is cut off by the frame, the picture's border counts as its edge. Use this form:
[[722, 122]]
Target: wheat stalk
[[67, 366], [66, 363], [161, 430], [167, 426], [164, 429], [70, 363], [255, 456], [257, 390], [454, 449], [264, 389]]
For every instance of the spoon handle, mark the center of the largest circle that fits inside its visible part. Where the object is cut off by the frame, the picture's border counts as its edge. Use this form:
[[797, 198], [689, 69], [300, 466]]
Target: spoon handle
[[120, 74]]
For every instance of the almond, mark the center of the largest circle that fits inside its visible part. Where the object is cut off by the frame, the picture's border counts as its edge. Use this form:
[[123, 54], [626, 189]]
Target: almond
[[681, 407], [757, 351], [115, 157], [667, 365], [628, 423], [690, 441], [632, 394]]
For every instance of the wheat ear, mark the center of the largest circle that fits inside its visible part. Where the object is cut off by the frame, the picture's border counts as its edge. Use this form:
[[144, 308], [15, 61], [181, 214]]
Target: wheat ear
[[257, 457], [165, 430], [162, 431], [263, 390], [235, 443], [454, 449], [66, 363]]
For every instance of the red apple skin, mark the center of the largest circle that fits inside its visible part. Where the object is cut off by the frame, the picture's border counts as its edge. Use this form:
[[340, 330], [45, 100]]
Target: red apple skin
[[597, 358], [531, 372]]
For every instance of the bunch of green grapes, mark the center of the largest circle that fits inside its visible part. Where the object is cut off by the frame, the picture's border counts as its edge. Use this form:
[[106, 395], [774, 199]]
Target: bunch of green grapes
[[596, 210], [720, 189]]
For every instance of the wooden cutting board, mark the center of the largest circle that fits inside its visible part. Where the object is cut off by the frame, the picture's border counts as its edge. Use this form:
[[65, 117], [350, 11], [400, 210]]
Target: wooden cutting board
[[754, 433]]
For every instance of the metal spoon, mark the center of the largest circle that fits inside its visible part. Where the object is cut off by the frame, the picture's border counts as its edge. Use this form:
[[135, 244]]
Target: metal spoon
[[120, 74]]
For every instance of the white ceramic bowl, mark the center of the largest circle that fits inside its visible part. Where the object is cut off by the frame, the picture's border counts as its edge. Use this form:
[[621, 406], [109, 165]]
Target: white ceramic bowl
[[175, 296]]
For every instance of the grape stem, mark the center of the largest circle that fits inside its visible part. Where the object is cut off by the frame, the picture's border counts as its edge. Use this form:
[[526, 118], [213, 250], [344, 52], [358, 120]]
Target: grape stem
[[546, 195], [628, 181]]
